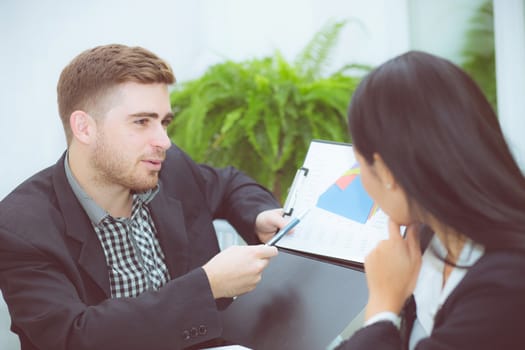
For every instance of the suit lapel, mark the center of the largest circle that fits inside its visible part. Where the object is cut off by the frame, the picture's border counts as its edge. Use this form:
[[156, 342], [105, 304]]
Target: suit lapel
[[90, 255], [408, 316], [170, 226], [409, 312], [167, 215]]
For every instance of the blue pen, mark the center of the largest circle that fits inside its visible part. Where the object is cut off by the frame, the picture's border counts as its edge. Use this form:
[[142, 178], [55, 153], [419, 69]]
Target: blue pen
[[280, 234]]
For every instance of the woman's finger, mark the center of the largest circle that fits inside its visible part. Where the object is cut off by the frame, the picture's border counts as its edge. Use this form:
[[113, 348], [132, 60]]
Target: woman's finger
[[394, 230], [412, 237]]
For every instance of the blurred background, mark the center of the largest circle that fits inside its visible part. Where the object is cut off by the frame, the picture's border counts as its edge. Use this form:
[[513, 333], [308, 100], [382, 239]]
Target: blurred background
[[205, 38]]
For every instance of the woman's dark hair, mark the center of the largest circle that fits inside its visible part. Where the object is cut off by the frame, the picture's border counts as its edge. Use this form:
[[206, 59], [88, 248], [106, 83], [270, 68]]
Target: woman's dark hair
[[441, 139]]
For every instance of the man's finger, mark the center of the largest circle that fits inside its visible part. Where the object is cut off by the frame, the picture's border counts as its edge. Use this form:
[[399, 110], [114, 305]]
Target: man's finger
[[265, 251]]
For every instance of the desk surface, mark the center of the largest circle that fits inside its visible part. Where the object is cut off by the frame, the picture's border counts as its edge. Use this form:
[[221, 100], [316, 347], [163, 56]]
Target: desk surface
[[301, 303]]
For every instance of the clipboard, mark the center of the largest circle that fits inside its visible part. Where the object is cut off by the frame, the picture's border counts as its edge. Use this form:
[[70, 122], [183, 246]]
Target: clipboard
[[343, 224]]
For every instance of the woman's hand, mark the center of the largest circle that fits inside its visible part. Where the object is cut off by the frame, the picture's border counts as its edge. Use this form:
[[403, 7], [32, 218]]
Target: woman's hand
[[392, 269]]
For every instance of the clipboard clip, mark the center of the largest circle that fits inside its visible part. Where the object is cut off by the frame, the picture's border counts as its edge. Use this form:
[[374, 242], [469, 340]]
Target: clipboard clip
[[291, 199]]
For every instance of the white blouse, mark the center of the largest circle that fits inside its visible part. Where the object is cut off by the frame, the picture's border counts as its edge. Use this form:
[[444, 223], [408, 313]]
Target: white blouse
[[429, 293]]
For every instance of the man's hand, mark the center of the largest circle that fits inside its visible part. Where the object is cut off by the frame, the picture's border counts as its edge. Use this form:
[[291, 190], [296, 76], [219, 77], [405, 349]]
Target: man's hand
[[237, 269], [268, 222]]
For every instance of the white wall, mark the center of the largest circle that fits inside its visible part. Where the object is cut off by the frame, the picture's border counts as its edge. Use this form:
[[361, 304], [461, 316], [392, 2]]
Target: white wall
[[40, 37], [435, 25], [509, 24]]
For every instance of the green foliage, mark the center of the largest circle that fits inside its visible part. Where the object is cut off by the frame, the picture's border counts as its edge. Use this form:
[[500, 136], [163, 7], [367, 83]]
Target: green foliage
[[260, 115], [478, 51]]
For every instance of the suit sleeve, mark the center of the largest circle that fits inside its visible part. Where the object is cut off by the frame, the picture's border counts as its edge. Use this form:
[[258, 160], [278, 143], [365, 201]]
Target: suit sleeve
[[233, 196], [485, 312], [44, 302], [488, 314], [380, 335]]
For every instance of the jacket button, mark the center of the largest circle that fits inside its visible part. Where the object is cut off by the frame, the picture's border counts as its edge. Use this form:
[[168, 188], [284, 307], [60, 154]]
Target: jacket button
[[194, 332], [203, 330], [186, 335]]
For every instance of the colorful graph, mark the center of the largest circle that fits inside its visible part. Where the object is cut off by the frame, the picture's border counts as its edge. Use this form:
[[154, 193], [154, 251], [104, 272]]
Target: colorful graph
[[347, 197]]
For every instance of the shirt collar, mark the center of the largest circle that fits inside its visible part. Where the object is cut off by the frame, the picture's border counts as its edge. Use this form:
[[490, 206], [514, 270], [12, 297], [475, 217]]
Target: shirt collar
[[94, 211], [429, 293]]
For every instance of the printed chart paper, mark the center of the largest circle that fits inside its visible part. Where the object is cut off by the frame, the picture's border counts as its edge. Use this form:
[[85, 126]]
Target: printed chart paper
[[343, 222]]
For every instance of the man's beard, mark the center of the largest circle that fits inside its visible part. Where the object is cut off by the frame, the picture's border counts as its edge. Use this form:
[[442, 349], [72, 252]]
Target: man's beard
[[114, 168]]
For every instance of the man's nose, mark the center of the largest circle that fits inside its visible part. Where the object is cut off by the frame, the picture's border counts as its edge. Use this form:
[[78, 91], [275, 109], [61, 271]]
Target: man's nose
[[161, 138]]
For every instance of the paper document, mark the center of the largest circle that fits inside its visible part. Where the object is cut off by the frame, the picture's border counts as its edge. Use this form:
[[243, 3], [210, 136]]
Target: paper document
[[343, 222]]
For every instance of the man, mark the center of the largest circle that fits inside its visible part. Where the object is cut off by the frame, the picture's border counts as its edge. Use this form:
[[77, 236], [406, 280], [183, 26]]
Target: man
[[113, 247]]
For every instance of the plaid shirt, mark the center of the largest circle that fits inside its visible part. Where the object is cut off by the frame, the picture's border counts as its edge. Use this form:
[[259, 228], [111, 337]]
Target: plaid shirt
[[133, 254], [134, 257]]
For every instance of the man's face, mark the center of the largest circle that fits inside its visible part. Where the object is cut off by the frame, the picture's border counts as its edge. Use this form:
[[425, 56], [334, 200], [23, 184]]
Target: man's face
[[131, 139]]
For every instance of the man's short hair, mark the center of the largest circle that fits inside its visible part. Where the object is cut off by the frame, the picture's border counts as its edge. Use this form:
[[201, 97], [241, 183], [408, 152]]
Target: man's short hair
[[90, 76]]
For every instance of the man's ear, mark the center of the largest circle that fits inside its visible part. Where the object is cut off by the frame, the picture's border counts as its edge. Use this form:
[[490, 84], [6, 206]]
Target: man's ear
[[383, 172], [83, 126]]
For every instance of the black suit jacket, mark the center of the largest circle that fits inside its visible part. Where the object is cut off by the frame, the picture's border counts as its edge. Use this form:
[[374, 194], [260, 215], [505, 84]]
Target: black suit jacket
[[53, 272], [486, 311]]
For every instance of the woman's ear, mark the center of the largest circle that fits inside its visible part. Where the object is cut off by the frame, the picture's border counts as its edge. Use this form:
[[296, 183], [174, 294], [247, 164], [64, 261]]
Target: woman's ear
[[83, 126], [383, 172]]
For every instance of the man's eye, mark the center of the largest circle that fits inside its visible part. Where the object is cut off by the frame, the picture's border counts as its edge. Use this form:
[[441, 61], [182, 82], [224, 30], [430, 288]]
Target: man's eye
[[141, 121], [166, 122]]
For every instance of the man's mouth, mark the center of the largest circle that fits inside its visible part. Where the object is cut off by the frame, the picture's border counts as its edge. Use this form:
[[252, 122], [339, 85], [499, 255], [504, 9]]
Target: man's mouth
[[153, 164]]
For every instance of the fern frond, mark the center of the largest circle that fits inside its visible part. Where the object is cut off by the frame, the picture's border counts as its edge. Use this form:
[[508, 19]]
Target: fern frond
[[314, 57], [260, 115]]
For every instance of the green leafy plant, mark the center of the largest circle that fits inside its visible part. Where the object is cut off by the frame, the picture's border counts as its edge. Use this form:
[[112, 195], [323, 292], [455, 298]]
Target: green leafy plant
[[260, 115], [478, 51]]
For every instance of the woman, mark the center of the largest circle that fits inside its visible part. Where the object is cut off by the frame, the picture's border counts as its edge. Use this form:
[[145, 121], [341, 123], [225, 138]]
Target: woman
[[433, 156]]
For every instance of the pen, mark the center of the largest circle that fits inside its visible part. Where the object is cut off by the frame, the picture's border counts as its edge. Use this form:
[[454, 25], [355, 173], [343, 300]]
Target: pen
[[280, 234]]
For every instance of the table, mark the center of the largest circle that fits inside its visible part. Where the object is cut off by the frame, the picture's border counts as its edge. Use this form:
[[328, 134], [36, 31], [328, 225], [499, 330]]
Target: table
[[303, 302]]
